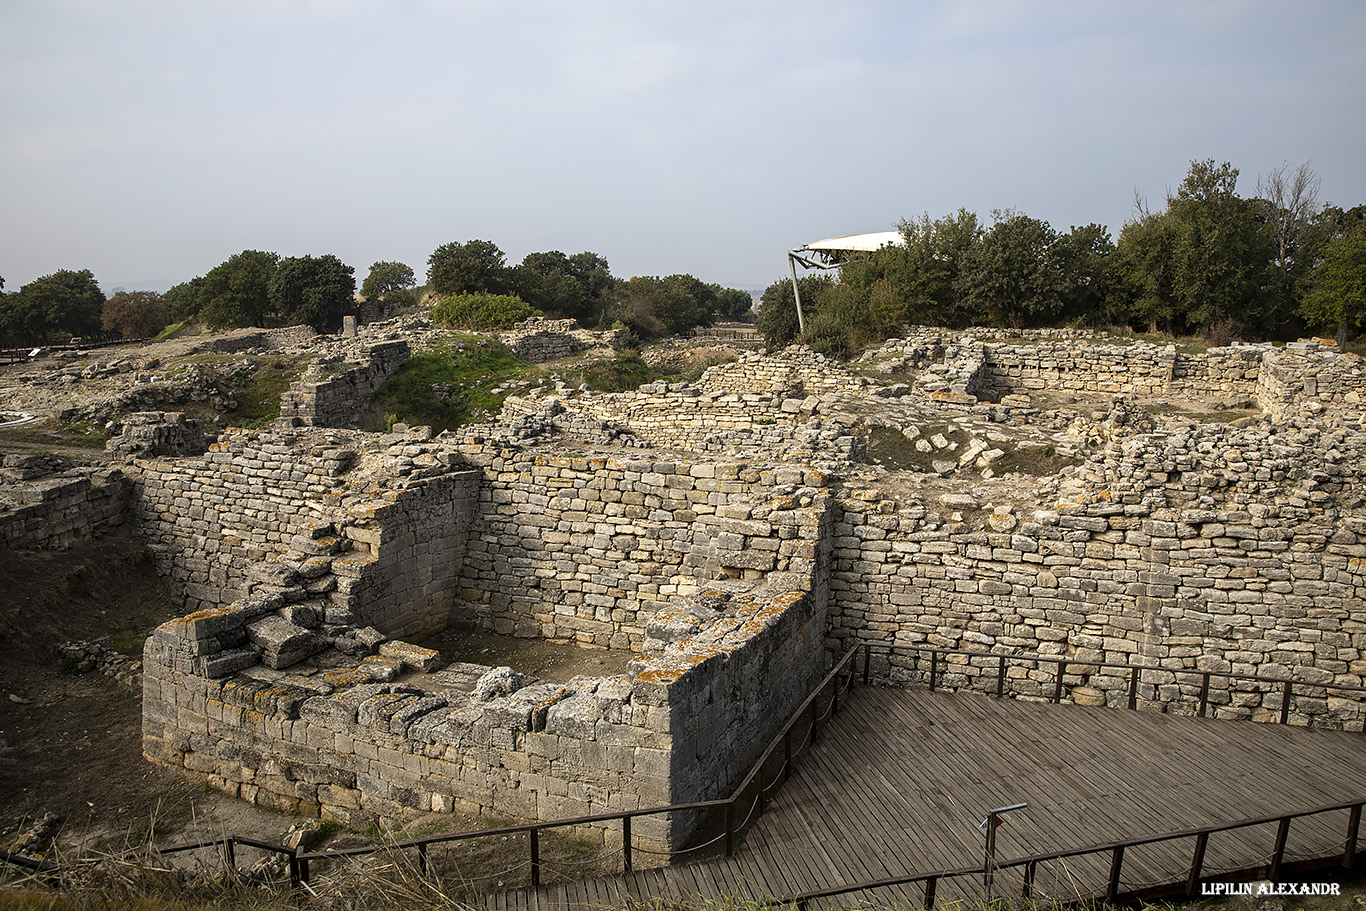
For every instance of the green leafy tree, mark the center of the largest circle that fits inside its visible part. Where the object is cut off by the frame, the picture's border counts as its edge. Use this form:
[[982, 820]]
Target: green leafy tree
[[316, 290], [924, 273], [472, 267], [653, 307], [777, 318], [576, 287], [1337, 292], [1084, 257], [732, 303], [134, 314], [1223, 252], [182, 301], [55, 307], [386, 277], [237, 291], [1012, 278], [1143, 270], [1209, 258]]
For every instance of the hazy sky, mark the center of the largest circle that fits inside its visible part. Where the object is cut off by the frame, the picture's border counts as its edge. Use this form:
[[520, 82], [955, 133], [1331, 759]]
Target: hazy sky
[[149, 140]]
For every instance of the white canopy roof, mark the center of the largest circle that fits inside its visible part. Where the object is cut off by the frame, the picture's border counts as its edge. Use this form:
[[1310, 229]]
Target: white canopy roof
[[857, 243]]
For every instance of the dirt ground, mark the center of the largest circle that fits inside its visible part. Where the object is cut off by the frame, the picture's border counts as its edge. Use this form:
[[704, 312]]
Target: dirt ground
[[70, 743]]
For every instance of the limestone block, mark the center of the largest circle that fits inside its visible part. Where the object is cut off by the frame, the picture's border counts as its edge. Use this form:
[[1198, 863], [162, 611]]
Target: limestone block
[[412, 656], [281, 642]]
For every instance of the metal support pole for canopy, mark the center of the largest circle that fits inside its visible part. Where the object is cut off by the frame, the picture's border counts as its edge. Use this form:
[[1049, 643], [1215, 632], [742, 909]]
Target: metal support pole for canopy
[[792, 266]]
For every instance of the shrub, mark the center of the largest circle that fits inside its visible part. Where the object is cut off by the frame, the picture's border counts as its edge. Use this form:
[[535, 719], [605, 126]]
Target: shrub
[[481, 311]]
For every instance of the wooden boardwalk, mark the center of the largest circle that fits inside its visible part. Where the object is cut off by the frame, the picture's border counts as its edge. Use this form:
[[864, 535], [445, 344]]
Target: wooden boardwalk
[[900, 779]]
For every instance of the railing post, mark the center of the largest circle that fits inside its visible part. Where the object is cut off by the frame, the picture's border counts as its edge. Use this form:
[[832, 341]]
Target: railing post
[[294, 880], [422, 857], [1133, 689], [1278, 855], [1349, 850], [730, 828], [303, 870], [1204, 694], [867, 656], [626, 841], [787, 753], [1057, 689], [1000, 676], [930, 885], [535, 857], [1285, 702], [1028, 890], [1197, 862], [934, 667], [1116, 862], [232, 854]]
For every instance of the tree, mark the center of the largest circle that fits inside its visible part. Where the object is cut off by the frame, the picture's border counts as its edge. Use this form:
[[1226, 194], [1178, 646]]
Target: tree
[[472, 267], [236, 292], [1012, 277], [577, 287], [1337, 291], [182, 301], [60, 306], [313, 290], [134, 314], [1291, 202], [1083, 255], [385, 277], [1221, 253], [1207, 259], [732, 303], [653, 307], [924, 273], [777, 319]]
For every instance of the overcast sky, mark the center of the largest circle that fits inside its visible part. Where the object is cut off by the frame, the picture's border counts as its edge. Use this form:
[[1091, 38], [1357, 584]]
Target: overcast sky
[[149, 140]]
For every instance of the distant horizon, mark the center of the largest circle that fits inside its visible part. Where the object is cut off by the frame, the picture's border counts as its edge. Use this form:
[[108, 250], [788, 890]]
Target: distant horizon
[[161, 138]]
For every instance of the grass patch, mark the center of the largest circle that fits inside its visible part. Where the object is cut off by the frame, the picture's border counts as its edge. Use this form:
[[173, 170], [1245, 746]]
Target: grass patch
[[1036, 461], [170, 331], [623, 373], [699, 365], [84, 435], [890, 448], [258, 392], [447, 387]]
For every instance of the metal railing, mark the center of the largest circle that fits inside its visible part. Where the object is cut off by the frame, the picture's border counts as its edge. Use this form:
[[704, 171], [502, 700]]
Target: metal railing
[[1287, 686], [1188, 884]]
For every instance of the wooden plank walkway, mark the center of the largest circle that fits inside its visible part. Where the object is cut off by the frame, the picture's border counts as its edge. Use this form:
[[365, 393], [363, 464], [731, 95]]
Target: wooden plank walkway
[[900, 779]]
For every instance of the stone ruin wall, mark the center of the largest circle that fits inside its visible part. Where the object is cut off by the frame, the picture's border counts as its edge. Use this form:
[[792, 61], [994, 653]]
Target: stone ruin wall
[[220, 522], [675, 732], [55, 512], [237, 341], [210, 519], [540, 340], [1171, 552], [336, 395], [354, 745], [584, 549], [1279, 380]]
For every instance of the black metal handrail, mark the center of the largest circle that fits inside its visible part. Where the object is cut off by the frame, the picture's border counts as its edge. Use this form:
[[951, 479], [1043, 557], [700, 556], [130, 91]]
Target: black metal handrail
[[1186, 885], [1287, 685]]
